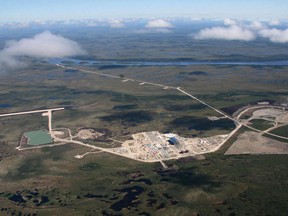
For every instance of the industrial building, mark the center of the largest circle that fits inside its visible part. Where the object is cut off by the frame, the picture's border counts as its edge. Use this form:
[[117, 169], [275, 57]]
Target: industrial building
[[174, 141]]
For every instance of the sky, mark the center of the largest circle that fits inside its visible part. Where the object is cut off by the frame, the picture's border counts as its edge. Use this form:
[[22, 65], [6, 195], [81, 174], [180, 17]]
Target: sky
[[31, 10]]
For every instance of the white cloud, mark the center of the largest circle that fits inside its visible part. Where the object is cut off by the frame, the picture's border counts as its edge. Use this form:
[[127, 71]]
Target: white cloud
[[41, 45], [233, 32], [256, 25], [116, 24], [196, 19], [245, 31], [229, 22], [275, 35], [159, 23], [90, 23], [156, 26], [274, 23]]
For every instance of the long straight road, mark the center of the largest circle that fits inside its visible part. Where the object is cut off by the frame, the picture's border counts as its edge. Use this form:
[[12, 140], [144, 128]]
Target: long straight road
[[211, 107], [31, 112], [142, 82]]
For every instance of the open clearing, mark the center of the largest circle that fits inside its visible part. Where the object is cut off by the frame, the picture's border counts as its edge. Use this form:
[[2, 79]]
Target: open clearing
[[253, 143], [279, 115]]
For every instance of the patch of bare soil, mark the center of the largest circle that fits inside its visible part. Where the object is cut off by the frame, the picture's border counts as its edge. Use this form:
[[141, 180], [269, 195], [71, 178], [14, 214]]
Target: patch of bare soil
[[253, 143]]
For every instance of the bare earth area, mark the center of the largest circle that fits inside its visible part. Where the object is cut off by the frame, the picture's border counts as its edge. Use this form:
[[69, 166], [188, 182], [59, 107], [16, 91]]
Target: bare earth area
[[253, 143], [279, 115], [88, 134]]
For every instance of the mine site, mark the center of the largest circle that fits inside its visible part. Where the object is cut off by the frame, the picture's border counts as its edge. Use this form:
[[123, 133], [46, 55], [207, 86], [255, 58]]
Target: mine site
[[264, 133]]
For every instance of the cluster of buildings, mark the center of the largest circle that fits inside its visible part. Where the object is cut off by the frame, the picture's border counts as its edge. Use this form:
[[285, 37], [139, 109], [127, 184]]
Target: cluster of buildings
[[153, 146]]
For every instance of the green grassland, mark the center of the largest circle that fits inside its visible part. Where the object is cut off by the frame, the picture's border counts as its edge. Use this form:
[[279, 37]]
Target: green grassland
[[281, 131], [219, 185], [261, 124], [97, 184]]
